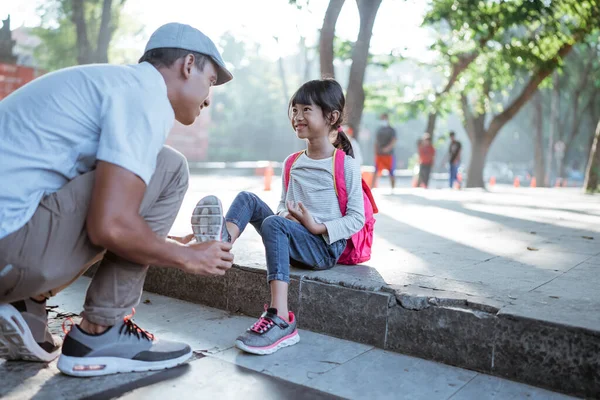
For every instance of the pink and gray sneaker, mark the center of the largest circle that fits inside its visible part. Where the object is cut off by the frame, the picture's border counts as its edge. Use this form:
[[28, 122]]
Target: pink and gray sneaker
[[208, 221], [269, 334]]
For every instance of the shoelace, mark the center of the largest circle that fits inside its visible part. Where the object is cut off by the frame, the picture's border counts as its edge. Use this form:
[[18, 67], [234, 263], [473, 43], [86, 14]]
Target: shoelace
[[132, 328], [263, 324], [129, 327]]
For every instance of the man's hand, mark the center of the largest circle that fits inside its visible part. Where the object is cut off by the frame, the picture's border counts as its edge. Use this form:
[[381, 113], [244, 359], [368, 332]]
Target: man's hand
[[182, 239], [302, 215], [208, 258], [114, 223]]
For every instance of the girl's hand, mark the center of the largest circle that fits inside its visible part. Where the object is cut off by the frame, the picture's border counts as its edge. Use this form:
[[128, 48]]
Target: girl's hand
[[290, 217], [302, 215]]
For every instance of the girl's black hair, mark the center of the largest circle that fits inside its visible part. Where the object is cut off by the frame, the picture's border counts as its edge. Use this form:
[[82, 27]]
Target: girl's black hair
[[329, 96]]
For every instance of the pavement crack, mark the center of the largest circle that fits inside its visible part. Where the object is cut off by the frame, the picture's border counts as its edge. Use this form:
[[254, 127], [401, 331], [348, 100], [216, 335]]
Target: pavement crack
[[331, 362]]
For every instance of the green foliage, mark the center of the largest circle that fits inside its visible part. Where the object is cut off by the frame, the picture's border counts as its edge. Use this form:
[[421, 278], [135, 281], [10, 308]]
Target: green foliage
[[512, 40], [57, 32]]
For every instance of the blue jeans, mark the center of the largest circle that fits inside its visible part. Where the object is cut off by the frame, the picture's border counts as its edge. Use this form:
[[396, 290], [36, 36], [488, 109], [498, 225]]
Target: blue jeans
[[453, 174], [285, 241]]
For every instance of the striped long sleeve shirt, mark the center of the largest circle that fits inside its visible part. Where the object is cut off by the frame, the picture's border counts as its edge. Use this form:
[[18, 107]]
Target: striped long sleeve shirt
[[311, 182]]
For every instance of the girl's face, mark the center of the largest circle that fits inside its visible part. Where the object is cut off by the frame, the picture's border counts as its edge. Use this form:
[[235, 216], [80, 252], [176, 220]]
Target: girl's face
[[308, 121]]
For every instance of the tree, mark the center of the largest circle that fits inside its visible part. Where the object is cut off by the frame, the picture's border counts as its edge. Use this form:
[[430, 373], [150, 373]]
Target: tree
[[583, 73], [355, 95], [326, 53], [592, 176], [77, 31], [530, 40], [540, 168]]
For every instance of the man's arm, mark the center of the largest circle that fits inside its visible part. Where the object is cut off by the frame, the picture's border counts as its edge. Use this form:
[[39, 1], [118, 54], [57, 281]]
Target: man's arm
[[114, 222]]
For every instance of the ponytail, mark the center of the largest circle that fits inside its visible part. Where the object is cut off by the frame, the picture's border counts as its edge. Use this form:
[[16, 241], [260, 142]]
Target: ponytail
[[343, 143]]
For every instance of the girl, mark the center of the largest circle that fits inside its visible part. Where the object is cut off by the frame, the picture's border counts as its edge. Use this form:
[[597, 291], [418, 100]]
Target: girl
[[308, 228]]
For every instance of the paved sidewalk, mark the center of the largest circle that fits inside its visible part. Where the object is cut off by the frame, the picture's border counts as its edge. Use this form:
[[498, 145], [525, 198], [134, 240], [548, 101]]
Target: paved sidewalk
[[319, 367]]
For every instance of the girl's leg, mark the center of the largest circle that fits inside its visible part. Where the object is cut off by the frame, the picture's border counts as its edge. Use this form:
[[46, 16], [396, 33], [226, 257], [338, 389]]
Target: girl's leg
[[246, 208], [283, 239], [286, 240], [208, 222]]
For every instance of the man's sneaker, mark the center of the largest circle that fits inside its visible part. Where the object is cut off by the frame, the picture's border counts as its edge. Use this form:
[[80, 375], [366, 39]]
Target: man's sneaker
[[208, 222], [124, 347], [269, 334], [24, 332]]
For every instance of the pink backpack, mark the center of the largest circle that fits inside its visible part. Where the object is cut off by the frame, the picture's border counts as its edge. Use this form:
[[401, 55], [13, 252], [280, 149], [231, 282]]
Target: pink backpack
[[358, 248]]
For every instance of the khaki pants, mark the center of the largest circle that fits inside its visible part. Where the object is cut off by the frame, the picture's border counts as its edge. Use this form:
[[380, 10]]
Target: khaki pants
[[53, 249]]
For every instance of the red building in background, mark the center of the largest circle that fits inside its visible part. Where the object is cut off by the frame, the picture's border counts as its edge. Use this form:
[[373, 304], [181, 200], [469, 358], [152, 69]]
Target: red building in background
[[13, 77]]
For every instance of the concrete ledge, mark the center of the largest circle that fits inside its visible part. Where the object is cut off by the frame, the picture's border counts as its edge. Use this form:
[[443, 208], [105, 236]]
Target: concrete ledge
[[452, 328]]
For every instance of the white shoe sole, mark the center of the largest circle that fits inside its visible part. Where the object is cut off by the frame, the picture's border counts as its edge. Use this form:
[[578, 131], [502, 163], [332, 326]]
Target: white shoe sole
[[97, 366], [16, 340], [207, 219], [262, 351]]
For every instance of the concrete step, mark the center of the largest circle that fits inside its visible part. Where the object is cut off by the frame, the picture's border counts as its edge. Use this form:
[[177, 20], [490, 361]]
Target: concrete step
[[318, 367], [479, 334]]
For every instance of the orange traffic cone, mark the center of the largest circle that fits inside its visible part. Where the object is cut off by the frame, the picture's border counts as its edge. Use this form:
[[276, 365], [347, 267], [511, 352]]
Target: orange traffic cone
[[533, 182], [517, 182], [268, 177], [492, 181]]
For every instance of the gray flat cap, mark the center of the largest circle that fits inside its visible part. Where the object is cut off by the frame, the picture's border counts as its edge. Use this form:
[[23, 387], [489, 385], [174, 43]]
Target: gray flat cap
[[185, 37]]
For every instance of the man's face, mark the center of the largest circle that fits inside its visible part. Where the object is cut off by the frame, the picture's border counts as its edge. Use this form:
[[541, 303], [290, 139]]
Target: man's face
[[194, 91]]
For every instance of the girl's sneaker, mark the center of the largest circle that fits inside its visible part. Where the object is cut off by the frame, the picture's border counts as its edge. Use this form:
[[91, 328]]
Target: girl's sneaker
[[269, 334], [208, 222]]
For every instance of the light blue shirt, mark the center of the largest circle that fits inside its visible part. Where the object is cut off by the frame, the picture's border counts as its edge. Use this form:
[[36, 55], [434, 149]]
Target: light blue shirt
[[56, 128]]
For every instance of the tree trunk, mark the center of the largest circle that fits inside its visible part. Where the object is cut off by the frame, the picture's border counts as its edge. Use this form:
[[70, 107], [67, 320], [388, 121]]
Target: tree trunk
[[431, 119], [307, 63], [84, 50], [281, 67], [480, 145], [105, 33], [355, 98], [592, 175], [554, 125], [327, 35], [540, 170]]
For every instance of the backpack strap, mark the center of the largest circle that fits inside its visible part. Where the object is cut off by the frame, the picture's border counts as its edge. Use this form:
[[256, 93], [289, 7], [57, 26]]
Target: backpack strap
[[287, 170], [339, 180]]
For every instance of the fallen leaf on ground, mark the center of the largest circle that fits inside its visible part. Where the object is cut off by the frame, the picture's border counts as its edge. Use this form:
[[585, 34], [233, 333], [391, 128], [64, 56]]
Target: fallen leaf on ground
[[532, 249], [533, 233], [588, 237], [554, 297], [147, 301]]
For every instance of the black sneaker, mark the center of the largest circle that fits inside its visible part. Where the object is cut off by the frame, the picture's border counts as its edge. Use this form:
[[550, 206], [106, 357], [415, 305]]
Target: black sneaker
[[24, 332], [121, 348]]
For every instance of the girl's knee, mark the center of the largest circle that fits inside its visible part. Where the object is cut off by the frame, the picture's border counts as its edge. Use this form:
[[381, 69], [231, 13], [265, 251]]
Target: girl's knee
[[272, 223]]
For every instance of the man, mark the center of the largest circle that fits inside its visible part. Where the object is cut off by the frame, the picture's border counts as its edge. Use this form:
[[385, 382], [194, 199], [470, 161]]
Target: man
[[454, 158], [385, 141], [85, 176], [426, 160]]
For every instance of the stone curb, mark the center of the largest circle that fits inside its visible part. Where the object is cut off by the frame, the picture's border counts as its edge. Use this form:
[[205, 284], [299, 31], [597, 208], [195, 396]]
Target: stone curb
[[443, 327]]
